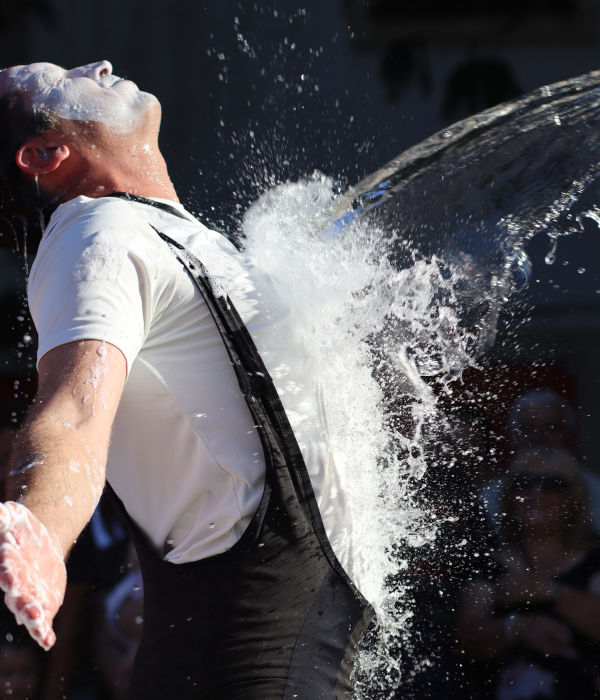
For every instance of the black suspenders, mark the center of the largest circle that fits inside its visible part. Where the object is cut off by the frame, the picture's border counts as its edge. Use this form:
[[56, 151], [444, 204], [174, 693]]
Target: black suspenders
[[284, 618]]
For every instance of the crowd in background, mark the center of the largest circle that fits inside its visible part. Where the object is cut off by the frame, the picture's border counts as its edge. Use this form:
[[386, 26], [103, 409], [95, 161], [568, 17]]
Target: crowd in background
[[511, 609], [506, 602]]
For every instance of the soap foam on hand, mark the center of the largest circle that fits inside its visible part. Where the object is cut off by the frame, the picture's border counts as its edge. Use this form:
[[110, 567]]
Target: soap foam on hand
[[32, 571]]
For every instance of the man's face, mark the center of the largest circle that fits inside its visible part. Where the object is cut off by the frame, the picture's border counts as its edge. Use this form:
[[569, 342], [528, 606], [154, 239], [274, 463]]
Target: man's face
[[89, 93]]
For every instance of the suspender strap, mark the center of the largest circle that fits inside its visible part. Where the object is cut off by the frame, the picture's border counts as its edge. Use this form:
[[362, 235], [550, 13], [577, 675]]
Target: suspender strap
[[252, 623]]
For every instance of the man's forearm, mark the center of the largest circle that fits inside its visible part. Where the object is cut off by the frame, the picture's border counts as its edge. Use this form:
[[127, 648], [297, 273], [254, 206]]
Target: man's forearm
[[58, 473], [59, 460]]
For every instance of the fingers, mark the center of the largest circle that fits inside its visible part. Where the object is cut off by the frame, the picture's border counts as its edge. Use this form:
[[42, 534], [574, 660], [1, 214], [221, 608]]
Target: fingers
[[7, 579], [6, 517], [32, 616], [38, 625], [48, 641], [32, 572], [22, 584]]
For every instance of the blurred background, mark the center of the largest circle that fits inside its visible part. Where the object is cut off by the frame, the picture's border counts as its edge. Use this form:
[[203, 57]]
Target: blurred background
[[256, 93]]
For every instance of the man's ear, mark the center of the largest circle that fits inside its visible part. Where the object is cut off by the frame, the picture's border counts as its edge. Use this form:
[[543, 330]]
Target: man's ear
[[41, 155]]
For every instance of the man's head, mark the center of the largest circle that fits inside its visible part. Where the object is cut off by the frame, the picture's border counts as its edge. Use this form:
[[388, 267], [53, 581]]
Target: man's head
[[88, 94], [69, 132]]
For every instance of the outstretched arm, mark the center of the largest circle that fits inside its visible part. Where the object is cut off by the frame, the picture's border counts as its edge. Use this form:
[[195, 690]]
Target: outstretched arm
[[57, 476]]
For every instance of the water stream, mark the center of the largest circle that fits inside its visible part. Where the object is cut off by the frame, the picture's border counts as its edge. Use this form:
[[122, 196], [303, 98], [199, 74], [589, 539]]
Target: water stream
[[403, 278]]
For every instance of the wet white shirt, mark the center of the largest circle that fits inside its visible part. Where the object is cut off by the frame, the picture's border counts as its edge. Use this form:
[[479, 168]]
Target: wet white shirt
[[185, 457]]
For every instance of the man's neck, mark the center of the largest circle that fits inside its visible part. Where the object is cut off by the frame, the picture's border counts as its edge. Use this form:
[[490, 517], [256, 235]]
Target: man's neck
[[144, 176], [146, 190], [99, 164]]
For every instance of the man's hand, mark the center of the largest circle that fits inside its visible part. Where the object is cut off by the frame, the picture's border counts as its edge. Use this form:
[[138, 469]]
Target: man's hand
[[32, 571], [59, 460]]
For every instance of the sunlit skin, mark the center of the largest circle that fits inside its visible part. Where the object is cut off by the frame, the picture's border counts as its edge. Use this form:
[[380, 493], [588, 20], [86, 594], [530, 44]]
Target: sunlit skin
[[85, 93], [80, 383], [93, 155]]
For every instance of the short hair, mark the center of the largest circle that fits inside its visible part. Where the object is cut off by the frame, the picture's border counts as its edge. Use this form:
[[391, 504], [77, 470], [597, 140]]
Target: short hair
[[22, 207]]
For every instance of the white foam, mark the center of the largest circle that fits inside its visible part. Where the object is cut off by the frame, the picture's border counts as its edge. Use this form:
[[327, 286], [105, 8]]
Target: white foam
[[84, 94], [360, 316]]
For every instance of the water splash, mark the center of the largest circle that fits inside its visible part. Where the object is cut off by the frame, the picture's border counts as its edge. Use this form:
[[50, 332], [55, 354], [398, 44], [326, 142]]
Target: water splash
[[409, 272], [364, 306], [485, 186]]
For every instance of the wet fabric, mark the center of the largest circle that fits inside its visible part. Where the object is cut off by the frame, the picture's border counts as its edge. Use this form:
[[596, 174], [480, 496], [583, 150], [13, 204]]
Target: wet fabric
[[276, 616], [102, 272]]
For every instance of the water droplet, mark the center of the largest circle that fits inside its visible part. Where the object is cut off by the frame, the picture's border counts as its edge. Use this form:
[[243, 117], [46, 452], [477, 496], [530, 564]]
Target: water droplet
[[551, 254]]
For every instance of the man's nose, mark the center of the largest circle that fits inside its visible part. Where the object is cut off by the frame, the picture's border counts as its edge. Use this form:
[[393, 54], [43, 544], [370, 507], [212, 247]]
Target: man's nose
[[91, 70]]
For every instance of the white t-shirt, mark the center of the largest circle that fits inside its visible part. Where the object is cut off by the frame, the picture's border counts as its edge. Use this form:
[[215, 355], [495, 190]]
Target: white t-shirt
[[185, 457]]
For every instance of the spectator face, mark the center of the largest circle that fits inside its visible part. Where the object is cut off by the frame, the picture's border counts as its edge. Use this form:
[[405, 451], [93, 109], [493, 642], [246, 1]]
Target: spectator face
[[542, 492], [541, 418], [540, 424]]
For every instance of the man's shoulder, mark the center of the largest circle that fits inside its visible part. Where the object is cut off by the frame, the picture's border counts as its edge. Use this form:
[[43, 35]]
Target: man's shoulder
[[112, 229], [93, 214], [92, 239]]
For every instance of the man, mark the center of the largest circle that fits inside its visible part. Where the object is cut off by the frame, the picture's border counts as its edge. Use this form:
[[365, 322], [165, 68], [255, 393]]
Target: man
[[141, 344]]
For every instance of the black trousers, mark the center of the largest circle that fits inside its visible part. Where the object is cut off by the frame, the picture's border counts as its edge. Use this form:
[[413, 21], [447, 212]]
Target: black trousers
[[274, 617], [271, 618]]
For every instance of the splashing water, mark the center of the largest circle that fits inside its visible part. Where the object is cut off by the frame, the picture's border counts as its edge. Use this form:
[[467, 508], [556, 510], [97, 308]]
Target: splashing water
[[404, 277], [348, 302]]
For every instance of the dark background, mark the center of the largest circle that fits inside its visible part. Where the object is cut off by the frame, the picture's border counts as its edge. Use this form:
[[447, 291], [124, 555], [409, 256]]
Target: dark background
[[255, 93]]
